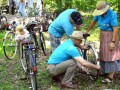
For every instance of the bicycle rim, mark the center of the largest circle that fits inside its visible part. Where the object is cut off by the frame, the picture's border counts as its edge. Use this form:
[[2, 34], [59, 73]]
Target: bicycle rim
[[92, 58], [42, 43], [10, 45], [32, 74]]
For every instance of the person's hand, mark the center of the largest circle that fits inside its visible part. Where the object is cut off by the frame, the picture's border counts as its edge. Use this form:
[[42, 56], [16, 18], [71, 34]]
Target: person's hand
[[98, 67], [111, 46]]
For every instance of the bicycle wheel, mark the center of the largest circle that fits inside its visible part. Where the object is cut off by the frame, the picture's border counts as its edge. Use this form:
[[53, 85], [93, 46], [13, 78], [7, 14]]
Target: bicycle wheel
[[42, 43], [32, 69], [10, 45], [91, 56], [32, 14]]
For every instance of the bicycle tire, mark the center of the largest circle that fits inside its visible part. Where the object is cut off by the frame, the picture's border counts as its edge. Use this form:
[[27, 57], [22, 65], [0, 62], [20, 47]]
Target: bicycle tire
[[42, 43], [32, 14], [91, 56], [32, 74], [10, 45]]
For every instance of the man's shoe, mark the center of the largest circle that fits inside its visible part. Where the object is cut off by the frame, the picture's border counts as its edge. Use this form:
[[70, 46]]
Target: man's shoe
[[56, 79], [68, 85]]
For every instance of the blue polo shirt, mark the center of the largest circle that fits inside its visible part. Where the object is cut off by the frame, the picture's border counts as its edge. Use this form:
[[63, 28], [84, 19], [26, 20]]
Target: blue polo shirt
[[63, 52], [62, 24], [107, 22]]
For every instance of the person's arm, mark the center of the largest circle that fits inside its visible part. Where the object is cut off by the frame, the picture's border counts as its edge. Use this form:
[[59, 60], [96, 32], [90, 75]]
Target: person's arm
[[85, 63], [91, 26], [114, 37], [115, 32]]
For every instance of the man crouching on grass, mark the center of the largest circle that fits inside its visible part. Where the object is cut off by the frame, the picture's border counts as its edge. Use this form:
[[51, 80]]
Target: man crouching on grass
[[65, 59]]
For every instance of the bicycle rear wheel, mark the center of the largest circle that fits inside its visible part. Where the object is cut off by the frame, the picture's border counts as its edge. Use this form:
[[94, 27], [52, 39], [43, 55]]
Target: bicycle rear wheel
[[32, 69], [10, 45], [92, 56]]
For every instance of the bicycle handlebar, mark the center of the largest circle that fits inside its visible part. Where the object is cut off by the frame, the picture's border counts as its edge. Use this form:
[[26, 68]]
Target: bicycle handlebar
[[86, 35]]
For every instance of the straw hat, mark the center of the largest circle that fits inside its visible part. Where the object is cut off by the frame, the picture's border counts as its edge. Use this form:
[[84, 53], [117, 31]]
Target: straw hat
[[19, 29], [101, 7], [77, 35]]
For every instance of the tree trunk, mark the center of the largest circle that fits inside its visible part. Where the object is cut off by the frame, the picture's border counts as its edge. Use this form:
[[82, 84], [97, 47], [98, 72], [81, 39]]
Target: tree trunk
[[10, 6]]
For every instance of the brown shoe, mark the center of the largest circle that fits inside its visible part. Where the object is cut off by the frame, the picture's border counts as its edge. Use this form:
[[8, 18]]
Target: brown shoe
[[56, 79], [68, 85]]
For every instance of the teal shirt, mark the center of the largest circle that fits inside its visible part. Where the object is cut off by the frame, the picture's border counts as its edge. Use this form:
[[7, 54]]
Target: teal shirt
[[63, 52], [62, 24], [107, 22]]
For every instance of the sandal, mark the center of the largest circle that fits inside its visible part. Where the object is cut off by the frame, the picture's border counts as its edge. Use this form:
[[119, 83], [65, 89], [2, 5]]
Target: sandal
[[107, 80]]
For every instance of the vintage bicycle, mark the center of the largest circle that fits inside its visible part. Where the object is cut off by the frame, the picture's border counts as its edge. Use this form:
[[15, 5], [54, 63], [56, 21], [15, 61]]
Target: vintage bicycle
[[90, 55]]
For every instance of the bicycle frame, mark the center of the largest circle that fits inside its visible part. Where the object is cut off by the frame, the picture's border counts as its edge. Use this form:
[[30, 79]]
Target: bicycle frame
[[90, 55]]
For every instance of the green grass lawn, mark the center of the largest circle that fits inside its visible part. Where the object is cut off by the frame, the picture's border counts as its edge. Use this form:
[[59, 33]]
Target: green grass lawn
[[11, 73]]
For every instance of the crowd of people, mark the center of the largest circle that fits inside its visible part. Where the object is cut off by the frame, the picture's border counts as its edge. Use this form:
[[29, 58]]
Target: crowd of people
[[65, 57], [21, 5]]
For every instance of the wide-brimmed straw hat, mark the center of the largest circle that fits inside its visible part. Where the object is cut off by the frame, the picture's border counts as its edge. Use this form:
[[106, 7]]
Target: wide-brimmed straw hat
[[101, 7], [77, 35]]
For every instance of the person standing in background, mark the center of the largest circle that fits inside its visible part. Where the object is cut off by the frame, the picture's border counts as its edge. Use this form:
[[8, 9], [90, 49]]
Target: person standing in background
[[22, 8], [109, 43], [13, 7], [17, 4], [39, 7], [30, 5]]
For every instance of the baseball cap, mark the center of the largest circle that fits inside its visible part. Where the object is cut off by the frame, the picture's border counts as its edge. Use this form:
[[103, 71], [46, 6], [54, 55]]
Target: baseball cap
[[77, 18]]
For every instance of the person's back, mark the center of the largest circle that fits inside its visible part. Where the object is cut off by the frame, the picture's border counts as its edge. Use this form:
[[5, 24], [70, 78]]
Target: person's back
[[62, 24], [63, 52]]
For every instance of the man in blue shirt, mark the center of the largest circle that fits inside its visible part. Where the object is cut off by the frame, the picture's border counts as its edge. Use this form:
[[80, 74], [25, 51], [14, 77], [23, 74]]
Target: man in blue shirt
[[64, 23], [66, 57]]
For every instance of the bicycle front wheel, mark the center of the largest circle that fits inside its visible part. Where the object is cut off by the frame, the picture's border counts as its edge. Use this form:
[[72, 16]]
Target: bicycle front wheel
[[42, 43], [10, 45], [92, 56]]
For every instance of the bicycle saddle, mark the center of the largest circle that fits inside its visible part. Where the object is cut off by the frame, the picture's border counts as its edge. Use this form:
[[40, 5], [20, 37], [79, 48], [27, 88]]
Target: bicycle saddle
[[27, 41]]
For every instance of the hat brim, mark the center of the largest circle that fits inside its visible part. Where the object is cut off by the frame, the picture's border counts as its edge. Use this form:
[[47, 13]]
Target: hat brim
[[100, 12], [76, 38]]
